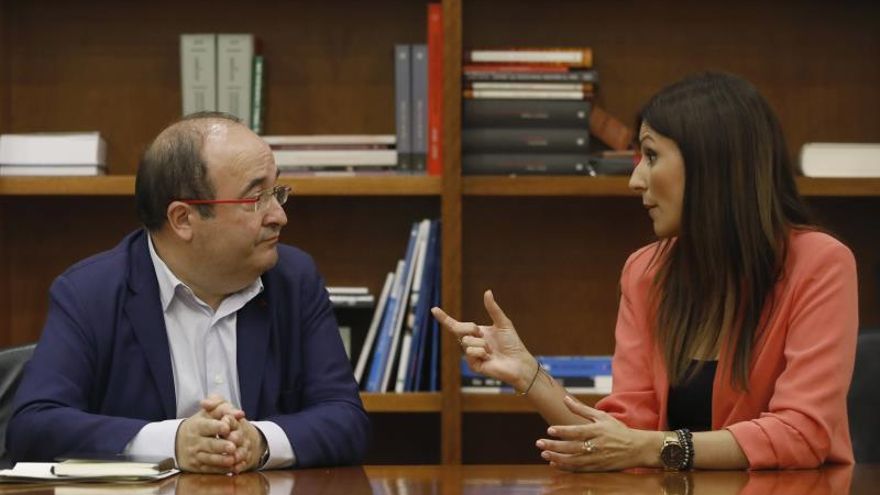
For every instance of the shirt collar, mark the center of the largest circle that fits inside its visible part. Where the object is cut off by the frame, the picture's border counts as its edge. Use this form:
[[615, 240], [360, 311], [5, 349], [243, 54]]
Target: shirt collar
[[169, 283]]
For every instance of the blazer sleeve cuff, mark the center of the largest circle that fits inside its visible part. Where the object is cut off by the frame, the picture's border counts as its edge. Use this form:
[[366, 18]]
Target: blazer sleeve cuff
[[156, 439], [756, 442], [280, 451]]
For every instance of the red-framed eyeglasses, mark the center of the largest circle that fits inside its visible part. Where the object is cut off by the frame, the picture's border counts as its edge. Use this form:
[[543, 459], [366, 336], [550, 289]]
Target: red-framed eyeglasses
[[259, 201]]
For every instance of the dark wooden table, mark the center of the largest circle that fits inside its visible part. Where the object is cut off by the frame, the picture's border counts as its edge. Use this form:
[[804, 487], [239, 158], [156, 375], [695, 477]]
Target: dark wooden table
[[492, 480]]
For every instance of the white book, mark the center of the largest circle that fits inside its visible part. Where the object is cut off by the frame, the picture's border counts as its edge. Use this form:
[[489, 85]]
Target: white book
[[51, 170], [345, 290], [198, 72], [53, 148], [352, 300], [370, 338], [523, 94], [235, 60], [561, 56], [528, 86], [841, 159], [351, 158], [348, 139], [405, 345]]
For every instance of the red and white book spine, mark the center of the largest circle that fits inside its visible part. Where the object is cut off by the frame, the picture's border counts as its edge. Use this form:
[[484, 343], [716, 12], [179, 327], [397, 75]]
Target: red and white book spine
[[435, 89]]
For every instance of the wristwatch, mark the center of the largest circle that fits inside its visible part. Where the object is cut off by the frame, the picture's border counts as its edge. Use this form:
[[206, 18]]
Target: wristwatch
[[673, 454], [264, 457]]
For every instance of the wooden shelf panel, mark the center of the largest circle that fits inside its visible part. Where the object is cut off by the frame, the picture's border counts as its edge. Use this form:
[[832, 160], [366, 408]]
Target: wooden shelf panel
[[417, 402], [401, 185], [508, 403], [105, 185], [393, 185], [546, 186], [839, 187], [123, 185], [618, 186]]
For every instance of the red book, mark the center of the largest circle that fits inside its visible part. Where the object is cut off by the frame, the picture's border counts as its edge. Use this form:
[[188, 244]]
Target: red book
[[610, 130], [435, 89]]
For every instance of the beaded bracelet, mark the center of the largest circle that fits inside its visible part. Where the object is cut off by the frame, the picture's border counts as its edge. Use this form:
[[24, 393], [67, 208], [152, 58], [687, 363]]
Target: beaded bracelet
[[526, 391], [686, 440], [689, 443]]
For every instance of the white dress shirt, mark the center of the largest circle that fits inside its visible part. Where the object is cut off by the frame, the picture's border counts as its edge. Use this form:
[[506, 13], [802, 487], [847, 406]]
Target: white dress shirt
[[203, 360]]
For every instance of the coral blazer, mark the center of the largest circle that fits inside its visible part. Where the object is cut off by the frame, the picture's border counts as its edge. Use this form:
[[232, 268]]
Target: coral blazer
[[794, 414]]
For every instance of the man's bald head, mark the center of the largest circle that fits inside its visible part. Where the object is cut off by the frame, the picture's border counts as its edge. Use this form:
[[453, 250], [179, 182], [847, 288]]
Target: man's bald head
[[173, 167]]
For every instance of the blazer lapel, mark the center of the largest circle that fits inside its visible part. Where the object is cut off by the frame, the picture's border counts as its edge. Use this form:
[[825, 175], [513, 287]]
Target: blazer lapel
[[252, 344], [144, 311]]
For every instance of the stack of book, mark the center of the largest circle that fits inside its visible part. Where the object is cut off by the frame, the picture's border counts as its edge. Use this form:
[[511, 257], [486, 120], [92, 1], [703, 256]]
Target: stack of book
[[225, 73], [53, 153], [578, 374], [527, 111], [401, 351], [334, 153]]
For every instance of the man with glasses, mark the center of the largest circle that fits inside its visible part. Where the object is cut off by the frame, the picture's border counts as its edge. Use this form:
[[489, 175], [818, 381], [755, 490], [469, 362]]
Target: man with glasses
[[198, 337]]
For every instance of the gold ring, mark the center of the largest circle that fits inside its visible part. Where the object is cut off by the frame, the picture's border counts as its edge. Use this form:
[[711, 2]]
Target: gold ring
[[589, 448]]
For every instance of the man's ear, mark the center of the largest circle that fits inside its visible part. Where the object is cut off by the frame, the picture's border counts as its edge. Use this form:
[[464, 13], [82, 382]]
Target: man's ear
[[180, 218]]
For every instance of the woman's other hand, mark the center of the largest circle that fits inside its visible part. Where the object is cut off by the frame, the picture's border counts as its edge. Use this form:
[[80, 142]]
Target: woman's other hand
[[603, 444]]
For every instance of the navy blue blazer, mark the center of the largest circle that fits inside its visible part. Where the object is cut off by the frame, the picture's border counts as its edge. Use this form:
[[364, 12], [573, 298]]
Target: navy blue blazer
[[102, 368]]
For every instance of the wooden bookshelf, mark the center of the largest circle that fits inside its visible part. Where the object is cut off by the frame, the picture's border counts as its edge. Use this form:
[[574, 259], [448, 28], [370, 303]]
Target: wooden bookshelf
[[123, 185], [508, 403], [546, 186], [418, 402], [550, 247], [619, 186], [406, 185]]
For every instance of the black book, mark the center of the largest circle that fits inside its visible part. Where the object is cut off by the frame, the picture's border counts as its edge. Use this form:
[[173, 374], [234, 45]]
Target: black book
[[530, 140], [526, 113], [526, 164]]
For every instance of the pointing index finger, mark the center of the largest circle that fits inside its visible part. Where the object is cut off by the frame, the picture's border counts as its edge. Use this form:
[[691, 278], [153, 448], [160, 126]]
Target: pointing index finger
[[443, 318]]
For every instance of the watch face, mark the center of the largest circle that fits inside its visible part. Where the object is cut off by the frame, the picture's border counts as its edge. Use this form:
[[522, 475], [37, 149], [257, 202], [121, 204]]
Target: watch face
[[672, 455]]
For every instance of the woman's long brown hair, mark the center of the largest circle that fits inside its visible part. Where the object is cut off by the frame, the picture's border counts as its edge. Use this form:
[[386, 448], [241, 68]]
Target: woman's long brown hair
[[716, 279]]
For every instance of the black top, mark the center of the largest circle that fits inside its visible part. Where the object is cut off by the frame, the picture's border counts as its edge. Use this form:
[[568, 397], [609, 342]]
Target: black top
[[690, 404]]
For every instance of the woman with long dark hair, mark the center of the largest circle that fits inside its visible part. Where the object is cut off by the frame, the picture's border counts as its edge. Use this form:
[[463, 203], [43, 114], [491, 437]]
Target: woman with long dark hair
[[736, 331]]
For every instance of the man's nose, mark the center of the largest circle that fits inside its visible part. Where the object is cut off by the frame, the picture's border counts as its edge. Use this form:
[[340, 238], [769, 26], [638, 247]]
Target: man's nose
[[276, 214]]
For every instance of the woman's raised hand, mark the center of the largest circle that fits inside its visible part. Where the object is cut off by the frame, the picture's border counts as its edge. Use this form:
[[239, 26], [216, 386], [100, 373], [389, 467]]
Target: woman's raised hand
[[492, 350]]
